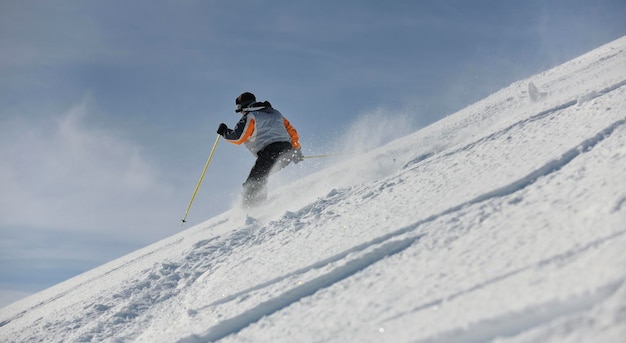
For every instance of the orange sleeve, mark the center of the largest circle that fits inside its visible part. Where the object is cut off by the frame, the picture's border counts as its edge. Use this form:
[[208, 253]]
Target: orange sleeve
[[295, 139]]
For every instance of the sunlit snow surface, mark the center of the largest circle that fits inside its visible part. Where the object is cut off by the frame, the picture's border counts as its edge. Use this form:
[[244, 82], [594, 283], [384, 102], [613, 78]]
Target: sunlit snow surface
[[505, 221]]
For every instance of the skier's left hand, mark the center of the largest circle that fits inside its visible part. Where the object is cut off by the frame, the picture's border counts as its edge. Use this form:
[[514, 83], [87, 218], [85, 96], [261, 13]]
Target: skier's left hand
[[297, 157]]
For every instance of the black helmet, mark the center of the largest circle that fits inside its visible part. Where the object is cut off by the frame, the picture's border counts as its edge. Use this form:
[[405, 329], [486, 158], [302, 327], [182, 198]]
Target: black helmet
[[243, 101]]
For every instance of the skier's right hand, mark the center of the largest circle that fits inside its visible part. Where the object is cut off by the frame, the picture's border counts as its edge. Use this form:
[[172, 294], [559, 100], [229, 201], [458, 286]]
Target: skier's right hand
[[222, 129]]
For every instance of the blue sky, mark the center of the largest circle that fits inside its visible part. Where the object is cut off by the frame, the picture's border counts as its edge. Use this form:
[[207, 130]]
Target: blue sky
[[108, 109]]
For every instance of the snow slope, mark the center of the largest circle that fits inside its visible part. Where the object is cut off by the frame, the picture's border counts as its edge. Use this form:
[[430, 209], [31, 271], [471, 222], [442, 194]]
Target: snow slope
[[505, 221]]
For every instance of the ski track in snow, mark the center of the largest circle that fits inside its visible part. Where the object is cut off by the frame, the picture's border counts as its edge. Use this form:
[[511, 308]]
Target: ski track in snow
[[560, 259], [237, 323], [512, 324]]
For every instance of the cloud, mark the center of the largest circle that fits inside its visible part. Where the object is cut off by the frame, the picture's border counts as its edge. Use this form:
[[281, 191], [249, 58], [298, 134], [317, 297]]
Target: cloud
[[66, 174]]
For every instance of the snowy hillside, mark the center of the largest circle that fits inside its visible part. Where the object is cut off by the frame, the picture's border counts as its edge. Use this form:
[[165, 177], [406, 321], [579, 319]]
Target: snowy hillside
[[505, 220]]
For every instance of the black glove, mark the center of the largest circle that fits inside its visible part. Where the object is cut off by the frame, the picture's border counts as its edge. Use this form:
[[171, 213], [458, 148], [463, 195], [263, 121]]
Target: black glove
[[222, 129], [297, 157]]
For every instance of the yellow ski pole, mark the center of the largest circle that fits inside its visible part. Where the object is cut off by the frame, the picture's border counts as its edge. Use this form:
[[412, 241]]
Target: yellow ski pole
[[201, 177]]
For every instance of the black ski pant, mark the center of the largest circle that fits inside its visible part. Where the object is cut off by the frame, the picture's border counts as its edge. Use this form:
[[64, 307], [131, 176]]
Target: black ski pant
[[272, 158]]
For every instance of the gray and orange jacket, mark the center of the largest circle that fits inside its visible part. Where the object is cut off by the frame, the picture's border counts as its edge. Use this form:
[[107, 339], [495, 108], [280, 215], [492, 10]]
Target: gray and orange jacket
[[261, 126]]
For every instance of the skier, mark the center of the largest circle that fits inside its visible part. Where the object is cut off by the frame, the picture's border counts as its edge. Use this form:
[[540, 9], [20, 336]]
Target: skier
[[269, 136]]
